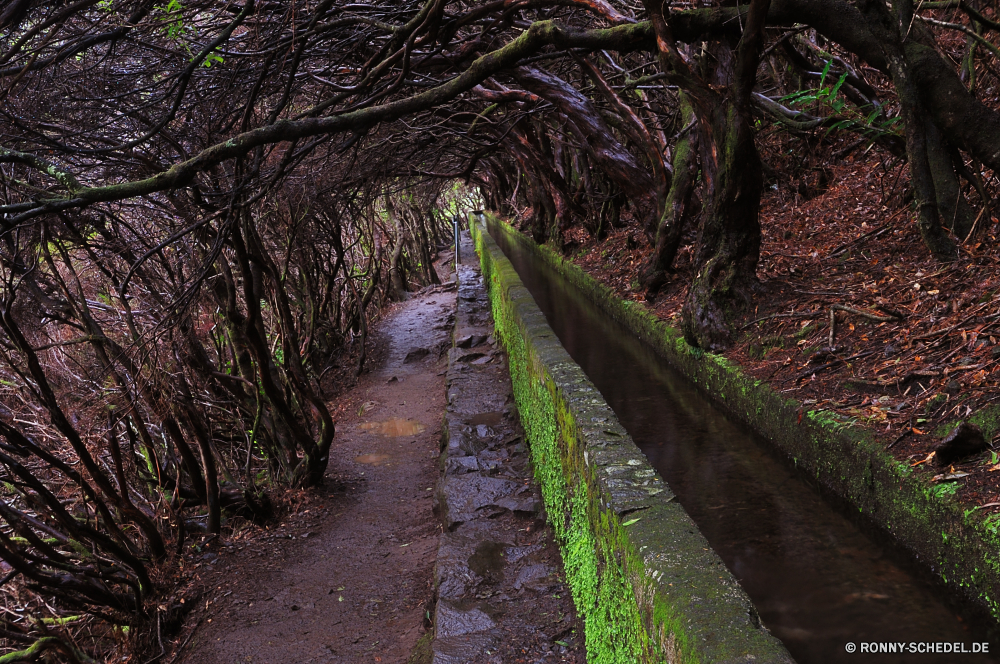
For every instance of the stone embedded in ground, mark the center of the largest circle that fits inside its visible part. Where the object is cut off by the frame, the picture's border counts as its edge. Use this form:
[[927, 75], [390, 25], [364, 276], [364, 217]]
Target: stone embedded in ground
[[487, 560], [465, 495], [534, 576], [452, 576], [525, 505], [451, 620], [471, 341], [461, 465], [415, 355], [462, 649], [964, 441]]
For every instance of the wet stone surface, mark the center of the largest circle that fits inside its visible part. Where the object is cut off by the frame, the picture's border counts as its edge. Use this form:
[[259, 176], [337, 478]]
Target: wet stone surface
[[500, 590]]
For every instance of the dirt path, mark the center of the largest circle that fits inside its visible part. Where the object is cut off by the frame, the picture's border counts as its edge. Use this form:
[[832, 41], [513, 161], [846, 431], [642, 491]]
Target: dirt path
[[350, 578]]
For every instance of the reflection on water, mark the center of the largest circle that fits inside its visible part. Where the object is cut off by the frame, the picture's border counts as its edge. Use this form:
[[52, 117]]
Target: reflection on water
[[817, 580], [395, 426]]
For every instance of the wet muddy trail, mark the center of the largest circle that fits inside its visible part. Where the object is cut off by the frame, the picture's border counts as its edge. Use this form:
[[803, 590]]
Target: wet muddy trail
[[350, 579]]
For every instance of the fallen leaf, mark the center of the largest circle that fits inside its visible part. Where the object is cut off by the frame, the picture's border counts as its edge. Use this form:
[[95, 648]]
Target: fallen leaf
[[945, 477]]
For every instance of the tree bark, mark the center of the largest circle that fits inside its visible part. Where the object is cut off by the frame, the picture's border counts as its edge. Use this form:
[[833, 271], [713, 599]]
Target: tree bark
[[598, 140], [677, 206], [922, 151], [398, 282], [729, 238]]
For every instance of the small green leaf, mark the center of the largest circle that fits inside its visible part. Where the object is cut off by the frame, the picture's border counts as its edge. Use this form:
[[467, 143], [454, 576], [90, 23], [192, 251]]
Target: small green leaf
[[826, 70], [840, 82], [630, 522]]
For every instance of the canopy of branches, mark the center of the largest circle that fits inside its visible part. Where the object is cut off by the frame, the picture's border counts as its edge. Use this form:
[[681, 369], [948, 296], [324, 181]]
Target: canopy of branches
[[203, 203]]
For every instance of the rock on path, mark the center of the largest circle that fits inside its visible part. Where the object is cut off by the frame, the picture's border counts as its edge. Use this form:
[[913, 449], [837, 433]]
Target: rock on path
[[501, 595]]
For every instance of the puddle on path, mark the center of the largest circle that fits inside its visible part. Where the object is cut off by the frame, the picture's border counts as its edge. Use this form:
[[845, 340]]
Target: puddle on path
[[489, 419], [395, 426], [371, 458]]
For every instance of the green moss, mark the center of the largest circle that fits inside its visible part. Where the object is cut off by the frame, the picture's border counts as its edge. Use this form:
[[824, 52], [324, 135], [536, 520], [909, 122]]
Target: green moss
[[627, 617], [842, 454], [613, 632]]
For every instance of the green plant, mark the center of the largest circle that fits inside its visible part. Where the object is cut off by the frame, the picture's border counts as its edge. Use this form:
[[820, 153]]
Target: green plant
[[844, 115], [174, 27], [944, 489]]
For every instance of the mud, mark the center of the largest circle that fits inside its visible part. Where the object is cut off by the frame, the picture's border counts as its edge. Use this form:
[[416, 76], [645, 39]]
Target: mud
[[351, 578]]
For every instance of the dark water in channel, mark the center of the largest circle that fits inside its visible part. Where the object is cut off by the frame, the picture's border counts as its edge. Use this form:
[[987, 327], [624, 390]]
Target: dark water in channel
[[818, 581]]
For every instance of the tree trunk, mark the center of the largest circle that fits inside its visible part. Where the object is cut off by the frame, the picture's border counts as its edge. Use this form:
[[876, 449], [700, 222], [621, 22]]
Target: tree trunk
[[729, 237], [923, 152], [677, 205], [396, 278]]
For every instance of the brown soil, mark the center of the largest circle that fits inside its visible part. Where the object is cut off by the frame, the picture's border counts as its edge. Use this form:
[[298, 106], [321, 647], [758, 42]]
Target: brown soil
[[348, 576], [848, 239]]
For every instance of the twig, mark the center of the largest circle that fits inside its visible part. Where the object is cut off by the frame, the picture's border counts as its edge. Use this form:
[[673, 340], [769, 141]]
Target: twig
[[780, 40], [814, 314], [831, 364], [858, 312], [833, 326], [928, 335], [899, 381], [180, 650], [831, 293], [865, 314], [878, 231]]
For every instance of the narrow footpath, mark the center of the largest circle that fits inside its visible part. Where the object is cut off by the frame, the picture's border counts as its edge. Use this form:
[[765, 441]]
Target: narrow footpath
[[426, 544], [350, 578], [501, 593]]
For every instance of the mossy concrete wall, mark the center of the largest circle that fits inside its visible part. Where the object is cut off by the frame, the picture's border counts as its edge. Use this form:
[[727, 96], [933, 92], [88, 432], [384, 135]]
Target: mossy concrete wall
[[960, 546], [644, 579]]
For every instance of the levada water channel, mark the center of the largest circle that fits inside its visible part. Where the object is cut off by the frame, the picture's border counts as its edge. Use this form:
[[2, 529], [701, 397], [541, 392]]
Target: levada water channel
[[818, 580]]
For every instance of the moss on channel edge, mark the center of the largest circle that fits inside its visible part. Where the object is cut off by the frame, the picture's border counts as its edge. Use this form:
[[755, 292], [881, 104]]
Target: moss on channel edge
[[647, 585], [961, 546]]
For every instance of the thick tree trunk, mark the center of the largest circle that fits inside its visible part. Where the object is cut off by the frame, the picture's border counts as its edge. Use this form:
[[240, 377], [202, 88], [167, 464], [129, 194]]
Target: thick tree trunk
[[677, 205], [955, 213], [925, 152], [729, 237]]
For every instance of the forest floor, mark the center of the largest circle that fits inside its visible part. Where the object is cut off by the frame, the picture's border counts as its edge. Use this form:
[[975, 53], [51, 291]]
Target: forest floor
[[934, 359], [347, 573]]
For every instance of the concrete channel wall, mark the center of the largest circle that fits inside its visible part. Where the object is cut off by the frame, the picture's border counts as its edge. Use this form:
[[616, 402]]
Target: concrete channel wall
[[646, 582], [960, 546]]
